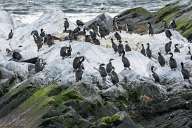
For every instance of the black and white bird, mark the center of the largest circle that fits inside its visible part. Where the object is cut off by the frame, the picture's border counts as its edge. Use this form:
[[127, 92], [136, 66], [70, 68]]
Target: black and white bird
[[143, 50], [117, 36], [109, 66], [16, 55], [77, 62], [176, 48], [168, 47], [151, 31], [39, 65], [114, 77], [10, 36], [155, 75], [161, 59], [172, 62], [125, 61], [185, 72], [120, 48], [189, 52], [79, 73], [168, 33], [148, 51], [102, 71], [114, 46], [65, 51]]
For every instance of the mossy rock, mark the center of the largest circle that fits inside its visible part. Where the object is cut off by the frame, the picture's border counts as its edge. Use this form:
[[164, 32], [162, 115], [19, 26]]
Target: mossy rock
[[108, 120], [167, 13], [14, 98], [137, 12]]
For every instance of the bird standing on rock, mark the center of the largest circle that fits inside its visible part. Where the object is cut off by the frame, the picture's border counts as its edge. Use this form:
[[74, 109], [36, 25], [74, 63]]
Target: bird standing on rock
[[161, 59], [172, 62], [79, 73], [168, 33], [143, 50], [114, 77], [114, 46], [77, 62], [10, 36], [151, 31], [66, 24], [120, 48], [189, 52], [148, 51], [125, 61], [176, 48], [185, 72], [117, 36], [65, 51], [168, 47], [109, 66], [155, 75], [102, 71]]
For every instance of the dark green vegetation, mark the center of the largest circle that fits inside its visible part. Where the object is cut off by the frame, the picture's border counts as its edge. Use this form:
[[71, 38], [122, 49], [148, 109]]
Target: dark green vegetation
[[83, 105], [138, 17]]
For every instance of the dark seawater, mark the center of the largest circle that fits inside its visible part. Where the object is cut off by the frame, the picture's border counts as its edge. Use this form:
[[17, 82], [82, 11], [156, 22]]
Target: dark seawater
[[79, 6]]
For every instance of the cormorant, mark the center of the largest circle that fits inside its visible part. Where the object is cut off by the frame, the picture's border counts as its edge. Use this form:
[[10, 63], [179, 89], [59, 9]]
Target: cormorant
[[103, 71], [16, 56], [66, 24], [148, 51], [79, 73], [151, 32], [42, 34], [114, 77], [10, 36], [109, 66], [114, 46], [65, 51], [143, 50], [185, 72], [127, 47], [176, 48], [172, 62], [125, 61], [39, 65], [168, 33], [173, 25], [117, 36], [120, 48], [77, 62], [155, 75], [189, 52], [168, 47], [161, 60]]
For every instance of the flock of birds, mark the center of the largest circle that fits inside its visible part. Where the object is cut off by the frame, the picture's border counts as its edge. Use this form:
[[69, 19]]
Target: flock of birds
[[91, 36]]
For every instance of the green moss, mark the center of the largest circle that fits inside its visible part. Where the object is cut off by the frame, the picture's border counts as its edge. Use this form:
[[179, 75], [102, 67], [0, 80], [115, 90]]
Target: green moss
[[167, 13], [14, 98], [111, 119], [139, 11], [64, 95]]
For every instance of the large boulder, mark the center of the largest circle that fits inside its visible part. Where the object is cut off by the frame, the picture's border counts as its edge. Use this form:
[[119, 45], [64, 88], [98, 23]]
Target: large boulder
[[136, 18], [104, 21]]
